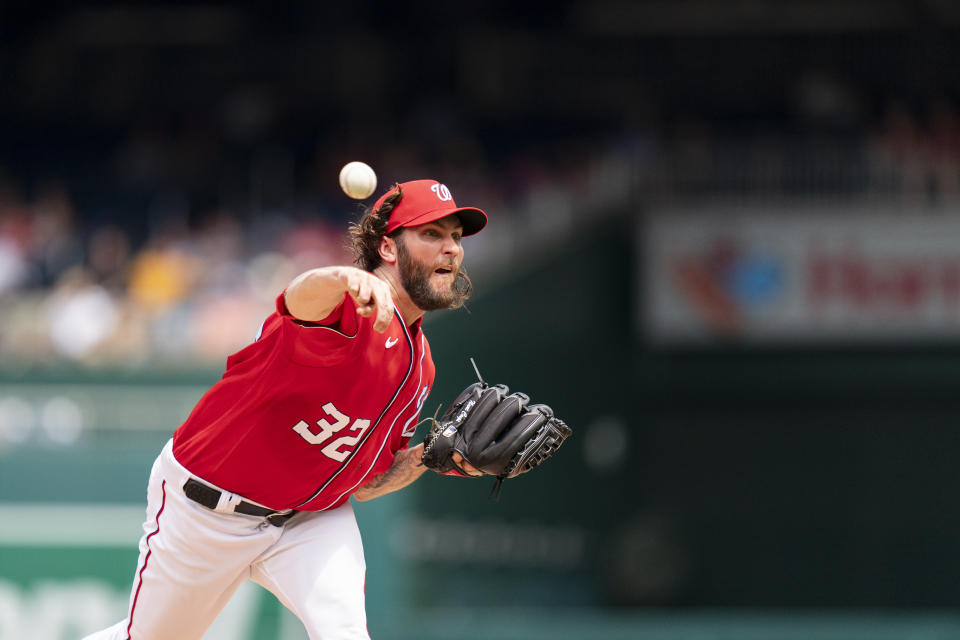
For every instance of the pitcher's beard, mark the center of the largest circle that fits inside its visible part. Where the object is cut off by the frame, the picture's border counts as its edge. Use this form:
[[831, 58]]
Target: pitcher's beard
[[415, 278]]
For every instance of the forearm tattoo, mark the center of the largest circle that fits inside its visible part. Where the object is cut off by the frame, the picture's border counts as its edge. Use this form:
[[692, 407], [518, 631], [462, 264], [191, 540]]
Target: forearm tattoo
[[405, 469]]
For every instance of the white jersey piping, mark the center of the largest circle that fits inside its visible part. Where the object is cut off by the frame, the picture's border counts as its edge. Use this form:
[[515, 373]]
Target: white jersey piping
[[373, 428], [416, 396], [390, 430]]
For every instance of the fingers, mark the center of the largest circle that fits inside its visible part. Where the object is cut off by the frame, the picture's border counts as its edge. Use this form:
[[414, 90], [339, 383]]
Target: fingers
[[384, 308], [372, 296], [381, 303], [364, 291], [466, 466]]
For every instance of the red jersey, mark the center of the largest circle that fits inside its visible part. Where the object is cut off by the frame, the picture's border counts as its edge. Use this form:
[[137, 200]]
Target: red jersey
[[309, 411]]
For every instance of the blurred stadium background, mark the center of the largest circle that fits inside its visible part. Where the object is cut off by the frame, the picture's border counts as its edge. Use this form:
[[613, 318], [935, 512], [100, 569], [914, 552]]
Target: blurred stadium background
[[723, 244]]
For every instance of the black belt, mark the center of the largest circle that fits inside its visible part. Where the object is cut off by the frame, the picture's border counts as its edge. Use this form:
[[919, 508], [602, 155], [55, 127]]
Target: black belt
[[210, 497]]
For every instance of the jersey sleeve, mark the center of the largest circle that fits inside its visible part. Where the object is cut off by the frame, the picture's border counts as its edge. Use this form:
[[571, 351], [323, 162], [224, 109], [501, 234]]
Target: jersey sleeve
[[327, 342], [333, 319]]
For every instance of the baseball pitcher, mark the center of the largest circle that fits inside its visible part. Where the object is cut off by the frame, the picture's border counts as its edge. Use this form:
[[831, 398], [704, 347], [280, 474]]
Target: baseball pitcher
[[256, 484]]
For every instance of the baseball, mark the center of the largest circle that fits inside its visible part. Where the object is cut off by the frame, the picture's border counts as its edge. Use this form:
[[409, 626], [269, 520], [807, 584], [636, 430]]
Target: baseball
[[358, 180]]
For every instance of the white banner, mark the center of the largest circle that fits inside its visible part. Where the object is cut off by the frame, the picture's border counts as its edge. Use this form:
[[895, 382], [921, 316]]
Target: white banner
[[799, 276]]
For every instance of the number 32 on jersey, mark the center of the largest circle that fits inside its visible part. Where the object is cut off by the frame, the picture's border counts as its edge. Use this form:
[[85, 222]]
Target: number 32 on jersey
[[333, 449]]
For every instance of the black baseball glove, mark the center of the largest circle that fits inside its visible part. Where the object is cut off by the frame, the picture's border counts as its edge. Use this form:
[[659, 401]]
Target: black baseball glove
[[497, 432]]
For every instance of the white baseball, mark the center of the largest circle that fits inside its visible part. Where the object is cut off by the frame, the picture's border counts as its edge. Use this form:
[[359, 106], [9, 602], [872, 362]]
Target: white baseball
[[358, 180]]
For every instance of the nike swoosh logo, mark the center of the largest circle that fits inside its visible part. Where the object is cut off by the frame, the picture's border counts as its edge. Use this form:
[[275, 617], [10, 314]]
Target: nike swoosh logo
[[391, 341]]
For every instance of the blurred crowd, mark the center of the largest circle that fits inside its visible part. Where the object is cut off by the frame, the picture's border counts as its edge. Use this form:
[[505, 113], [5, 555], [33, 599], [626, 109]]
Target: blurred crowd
[[92, 294], [166, 278], [920, 155], [175, 278], [909, 156]]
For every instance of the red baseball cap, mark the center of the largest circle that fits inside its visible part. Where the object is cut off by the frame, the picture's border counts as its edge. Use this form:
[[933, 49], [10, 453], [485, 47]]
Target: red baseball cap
[[424, 201]]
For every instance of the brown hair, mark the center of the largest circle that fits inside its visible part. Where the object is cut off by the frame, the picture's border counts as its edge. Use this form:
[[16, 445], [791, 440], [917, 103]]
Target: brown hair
[[365, 234]]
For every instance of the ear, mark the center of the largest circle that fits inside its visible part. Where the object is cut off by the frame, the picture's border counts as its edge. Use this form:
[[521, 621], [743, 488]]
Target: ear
[[388, 250]]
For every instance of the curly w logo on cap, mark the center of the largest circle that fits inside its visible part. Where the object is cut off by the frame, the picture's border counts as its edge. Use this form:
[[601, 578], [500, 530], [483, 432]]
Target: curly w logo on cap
[[442, 192]]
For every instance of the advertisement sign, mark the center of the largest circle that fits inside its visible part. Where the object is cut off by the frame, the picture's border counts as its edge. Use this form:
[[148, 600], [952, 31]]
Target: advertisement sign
[[786, 276]]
